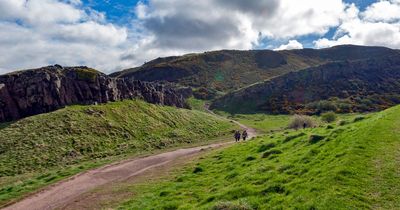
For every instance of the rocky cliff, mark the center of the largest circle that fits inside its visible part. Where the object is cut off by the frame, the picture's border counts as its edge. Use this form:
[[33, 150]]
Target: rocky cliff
[[36, 91], [345, 86]]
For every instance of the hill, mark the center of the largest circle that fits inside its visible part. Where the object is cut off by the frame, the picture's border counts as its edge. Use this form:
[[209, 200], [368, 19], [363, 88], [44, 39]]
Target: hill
[[352, 166], [344, 86], [218, 72], [42, 149], [35, 91]]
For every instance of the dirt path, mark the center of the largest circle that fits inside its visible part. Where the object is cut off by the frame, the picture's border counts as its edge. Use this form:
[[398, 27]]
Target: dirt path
[[65, 192]]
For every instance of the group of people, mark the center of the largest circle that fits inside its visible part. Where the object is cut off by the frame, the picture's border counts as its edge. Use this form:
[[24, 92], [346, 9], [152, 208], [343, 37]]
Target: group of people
[[237, 135]]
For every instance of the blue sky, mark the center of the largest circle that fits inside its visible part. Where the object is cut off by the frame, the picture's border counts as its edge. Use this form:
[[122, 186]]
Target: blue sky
[[111, 35]]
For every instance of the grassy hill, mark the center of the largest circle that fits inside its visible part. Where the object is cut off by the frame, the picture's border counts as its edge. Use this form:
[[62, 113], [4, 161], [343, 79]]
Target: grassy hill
[[222, 71], [354, 165], [42, 149]]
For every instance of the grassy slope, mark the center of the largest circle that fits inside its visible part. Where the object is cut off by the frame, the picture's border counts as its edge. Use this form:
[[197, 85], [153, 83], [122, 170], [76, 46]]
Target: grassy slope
[[263, 123], [355, 166], [197, 104], [42, 149]]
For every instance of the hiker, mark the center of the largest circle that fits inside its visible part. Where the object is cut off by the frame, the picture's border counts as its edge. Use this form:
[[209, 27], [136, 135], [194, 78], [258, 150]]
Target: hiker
[[304, 125], [244, 135], [237, 136]]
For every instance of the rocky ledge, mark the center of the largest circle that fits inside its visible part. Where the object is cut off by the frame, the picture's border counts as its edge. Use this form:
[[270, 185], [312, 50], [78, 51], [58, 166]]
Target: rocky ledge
[[36, 91]]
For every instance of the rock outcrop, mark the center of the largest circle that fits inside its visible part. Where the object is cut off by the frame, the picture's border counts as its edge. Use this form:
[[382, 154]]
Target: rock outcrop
[[36, 91], [357, 86]]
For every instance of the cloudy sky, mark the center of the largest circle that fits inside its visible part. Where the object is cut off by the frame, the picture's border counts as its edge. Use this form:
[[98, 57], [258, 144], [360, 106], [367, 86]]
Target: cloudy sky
[[111, 35]]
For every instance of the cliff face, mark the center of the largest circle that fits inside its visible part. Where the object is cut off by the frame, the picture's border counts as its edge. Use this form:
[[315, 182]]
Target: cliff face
[[36, 91], [364, 85]]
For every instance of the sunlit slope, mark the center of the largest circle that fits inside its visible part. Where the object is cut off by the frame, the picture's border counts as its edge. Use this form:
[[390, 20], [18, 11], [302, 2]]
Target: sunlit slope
[[79, 133], [353, 166]]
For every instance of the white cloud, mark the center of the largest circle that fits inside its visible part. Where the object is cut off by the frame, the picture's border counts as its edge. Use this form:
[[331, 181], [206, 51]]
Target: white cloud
[[37, 12], [40, 32], [369, 27], [184, 26], [35, 33], [382, 11], [292, 44]]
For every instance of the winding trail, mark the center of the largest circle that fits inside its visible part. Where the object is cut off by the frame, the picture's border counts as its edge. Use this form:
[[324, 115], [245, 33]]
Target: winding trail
[[65, 192]]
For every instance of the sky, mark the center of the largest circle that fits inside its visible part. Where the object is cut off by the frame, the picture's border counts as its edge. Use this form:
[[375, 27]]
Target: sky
[[111, 35]]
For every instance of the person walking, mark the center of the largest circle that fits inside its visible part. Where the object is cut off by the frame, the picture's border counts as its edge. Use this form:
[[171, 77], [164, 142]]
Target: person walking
[[244, 135], [237, 136]]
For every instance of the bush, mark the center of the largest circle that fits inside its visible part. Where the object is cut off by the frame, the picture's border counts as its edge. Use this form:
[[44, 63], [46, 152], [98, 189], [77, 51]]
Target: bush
[[321, 106], [328, 117], [298, 121]]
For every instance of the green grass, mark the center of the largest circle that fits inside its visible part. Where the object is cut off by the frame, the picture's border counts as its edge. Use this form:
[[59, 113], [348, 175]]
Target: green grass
[[197, 104], [42, 149], [263, 123], [354, 166]]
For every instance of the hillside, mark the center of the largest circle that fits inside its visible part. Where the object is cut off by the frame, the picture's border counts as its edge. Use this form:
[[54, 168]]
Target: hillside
[[29, 92], [218, 72], [42, 149], [346, 86], [352, 166]]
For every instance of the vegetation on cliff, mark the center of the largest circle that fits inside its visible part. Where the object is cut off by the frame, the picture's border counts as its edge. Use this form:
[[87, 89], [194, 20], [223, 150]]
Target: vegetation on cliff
[[217, 72], [347, 86]]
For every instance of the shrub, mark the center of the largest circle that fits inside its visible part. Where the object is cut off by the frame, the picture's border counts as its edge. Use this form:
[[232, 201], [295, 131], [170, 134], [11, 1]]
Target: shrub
[[314, 138], [298, 121], [328, 117], [344, 107], [321, 106]]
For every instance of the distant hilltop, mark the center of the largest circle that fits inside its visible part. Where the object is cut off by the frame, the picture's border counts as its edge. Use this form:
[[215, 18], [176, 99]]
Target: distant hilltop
[[216, 73]]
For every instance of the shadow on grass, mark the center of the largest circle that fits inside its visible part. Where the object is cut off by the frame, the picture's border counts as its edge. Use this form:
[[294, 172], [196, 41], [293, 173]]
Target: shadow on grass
[[5, 125]]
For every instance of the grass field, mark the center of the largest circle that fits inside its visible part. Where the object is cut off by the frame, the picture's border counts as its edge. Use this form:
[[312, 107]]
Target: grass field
[[264, 123], [43, 149], [354, 165]]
